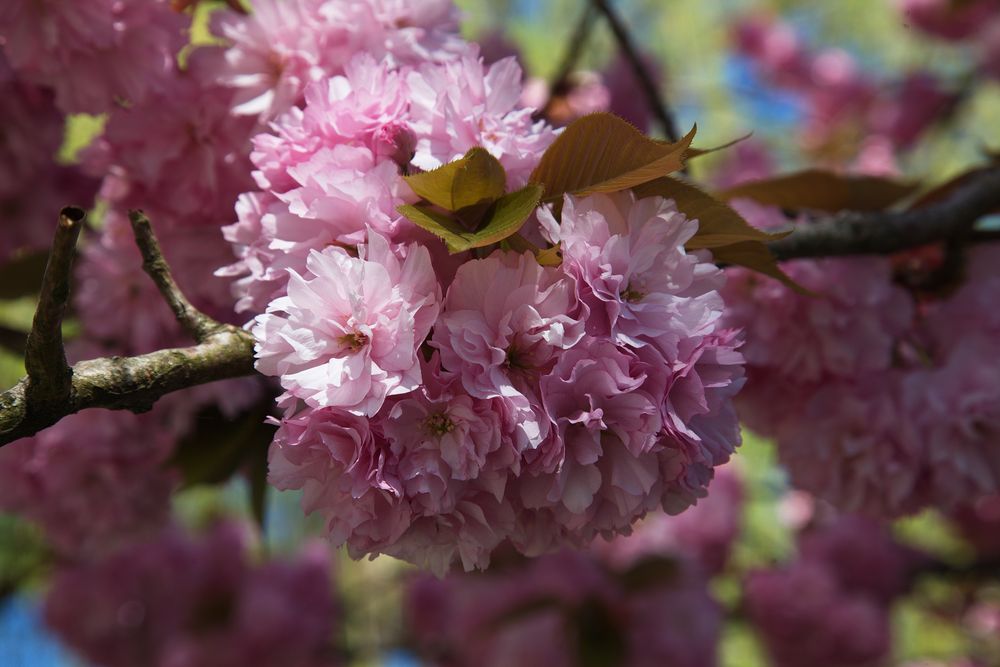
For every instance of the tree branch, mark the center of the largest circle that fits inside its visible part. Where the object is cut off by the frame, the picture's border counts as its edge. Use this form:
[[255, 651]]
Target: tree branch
[[44, 356], [115, 383], [884, 232], [654, 99], [196, 323], [131, 383]]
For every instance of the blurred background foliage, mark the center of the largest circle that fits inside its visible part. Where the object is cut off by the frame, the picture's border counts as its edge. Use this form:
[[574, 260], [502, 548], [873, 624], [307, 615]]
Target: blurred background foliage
[[705, 82]]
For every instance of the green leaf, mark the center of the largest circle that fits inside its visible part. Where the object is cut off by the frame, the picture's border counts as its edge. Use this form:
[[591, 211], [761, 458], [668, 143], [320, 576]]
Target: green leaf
[[604, 153], [718, 223], [438, 224], [22, 275], [470, 181], [823, 191], [503, 219]]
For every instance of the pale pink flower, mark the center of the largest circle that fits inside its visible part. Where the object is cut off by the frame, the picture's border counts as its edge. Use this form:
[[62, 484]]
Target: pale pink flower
[[632, 271], [498, 339], [363, 107], [463, 103], [281, 47], [342, 192], [257, 280], [275, 51], [348, 332]]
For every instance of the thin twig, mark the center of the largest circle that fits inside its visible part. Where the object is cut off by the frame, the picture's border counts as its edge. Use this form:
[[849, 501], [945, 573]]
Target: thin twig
[[116, 383], [196, 323], [578, 39], [654, 98], [885, 232], [44, 356]]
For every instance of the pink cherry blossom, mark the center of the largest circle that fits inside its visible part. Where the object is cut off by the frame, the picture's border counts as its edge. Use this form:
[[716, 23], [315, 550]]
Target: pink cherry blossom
[[542, 612], [180, 599], [628, 257], [281, 47], [348, 332], [704, 533], [120, 304], [805, 618], [191, 169], [496, 340], [957, 409], [463, 103], [93, 481], [948, 20], [33, 187], [95, 53]]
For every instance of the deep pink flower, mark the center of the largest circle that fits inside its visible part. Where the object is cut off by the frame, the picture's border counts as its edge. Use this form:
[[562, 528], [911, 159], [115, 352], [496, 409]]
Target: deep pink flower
[[957, 409], [179, 155], [946, 19], [93, 481], [558, 609], [184, 600], [804, 617], [979, 522]]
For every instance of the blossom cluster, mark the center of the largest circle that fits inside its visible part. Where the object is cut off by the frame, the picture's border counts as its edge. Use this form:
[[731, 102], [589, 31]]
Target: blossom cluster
[[831, 605], [437, 405], [875, 403], [568, 607], [520, 402], [181, 599]]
